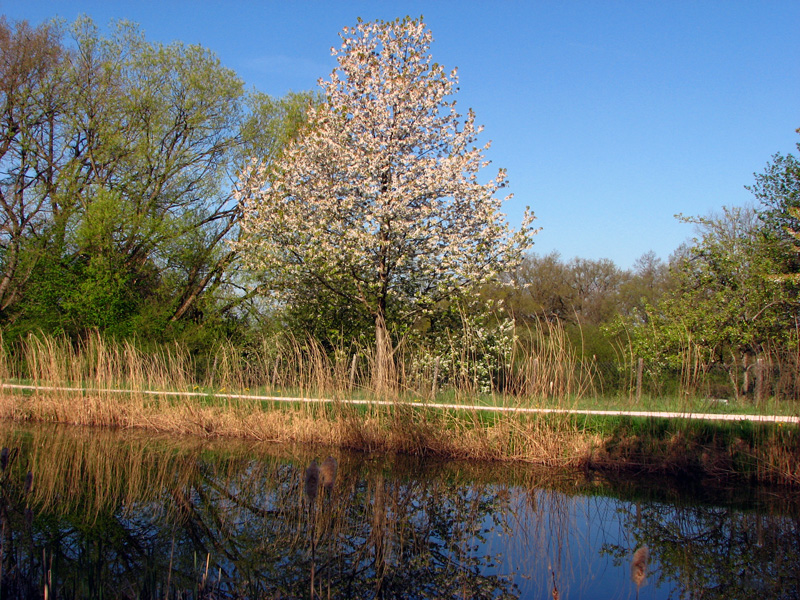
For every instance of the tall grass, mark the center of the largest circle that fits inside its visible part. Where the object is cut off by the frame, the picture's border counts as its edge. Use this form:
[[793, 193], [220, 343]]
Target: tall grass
[[539, 364], [540, 368], [88, 375], [545, 365]]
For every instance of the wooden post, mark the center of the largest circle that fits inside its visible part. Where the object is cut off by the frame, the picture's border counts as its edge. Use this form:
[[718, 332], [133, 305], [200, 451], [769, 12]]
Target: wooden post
[[353, 371], [759, 380], [639, 372]]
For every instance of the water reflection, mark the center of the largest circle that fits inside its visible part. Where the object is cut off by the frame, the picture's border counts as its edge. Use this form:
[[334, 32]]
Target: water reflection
[[719, 552], [128, 515], [639, 567]]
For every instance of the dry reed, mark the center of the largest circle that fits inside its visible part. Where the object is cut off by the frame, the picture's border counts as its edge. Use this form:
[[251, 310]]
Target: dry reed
[[542, 364]]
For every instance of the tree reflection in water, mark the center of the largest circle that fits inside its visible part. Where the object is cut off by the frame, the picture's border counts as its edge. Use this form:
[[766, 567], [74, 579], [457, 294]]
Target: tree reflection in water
[[127, 515], [145, 519], [715, 552]]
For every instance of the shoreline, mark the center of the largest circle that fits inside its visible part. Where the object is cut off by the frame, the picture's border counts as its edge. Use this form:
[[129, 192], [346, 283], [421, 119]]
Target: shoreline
[[604, 441]]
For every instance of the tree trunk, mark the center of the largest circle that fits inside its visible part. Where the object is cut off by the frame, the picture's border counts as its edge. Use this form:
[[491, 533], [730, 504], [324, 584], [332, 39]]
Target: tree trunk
[[193, 290], [384, 361], [10, 268]]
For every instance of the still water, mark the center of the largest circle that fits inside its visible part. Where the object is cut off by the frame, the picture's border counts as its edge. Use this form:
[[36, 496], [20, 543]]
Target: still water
[[120, 514]]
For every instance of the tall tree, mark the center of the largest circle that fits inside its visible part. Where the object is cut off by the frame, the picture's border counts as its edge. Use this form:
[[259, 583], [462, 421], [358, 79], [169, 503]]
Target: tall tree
[[379, 201], [32, 102], [539, 288], [649, 281], [723, 302], [595, 284], [117, 158], [778, 191]]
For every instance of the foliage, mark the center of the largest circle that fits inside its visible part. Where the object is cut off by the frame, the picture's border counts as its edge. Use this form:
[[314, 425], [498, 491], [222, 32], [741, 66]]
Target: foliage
[[379, 202], [792, 276], [724, 302], [650, 281], [469, 346], [539, 287], [778, 191], [581, 291], [115, 160]]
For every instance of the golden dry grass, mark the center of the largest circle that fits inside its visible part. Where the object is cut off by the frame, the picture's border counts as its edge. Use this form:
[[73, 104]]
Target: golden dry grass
[[95, 365], [402, 428]]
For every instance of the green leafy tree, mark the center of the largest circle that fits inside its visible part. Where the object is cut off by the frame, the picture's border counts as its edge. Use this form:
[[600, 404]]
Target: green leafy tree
[[118, 163], [32, 101], [792, 276], [724, 303], [778, 191]]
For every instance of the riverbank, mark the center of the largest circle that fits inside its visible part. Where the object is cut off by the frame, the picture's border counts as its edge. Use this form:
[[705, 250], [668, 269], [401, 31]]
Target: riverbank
[[766, 452]]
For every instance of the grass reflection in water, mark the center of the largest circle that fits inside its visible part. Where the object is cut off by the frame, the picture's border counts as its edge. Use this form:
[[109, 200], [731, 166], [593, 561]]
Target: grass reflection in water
[[126, 515]]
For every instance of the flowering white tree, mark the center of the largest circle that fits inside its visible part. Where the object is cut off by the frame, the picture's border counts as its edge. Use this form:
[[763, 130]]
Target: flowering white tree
[[379, 201]]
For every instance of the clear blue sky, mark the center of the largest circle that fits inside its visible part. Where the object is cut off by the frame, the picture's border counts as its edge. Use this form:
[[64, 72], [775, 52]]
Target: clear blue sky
[[610, 117]]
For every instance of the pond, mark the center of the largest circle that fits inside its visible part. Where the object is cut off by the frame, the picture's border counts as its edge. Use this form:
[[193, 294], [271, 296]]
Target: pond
[[91, 513]]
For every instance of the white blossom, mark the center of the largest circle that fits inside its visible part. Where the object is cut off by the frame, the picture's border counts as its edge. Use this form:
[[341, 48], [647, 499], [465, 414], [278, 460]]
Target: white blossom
[[380, 199]]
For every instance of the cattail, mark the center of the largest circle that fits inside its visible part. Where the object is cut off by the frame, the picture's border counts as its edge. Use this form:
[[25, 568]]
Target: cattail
[[327, 473], [3, 458], [28, 482], [639, 566], [312, 480], [556, 595]]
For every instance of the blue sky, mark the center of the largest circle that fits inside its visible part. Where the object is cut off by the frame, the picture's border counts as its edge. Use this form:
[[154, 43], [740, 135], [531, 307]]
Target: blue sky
[[610, 117]]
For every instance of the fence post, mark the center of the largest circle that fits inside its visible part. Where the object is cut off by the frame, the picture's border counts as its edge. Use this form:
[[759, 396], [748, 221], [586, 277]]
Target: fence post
[[639, 372]]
